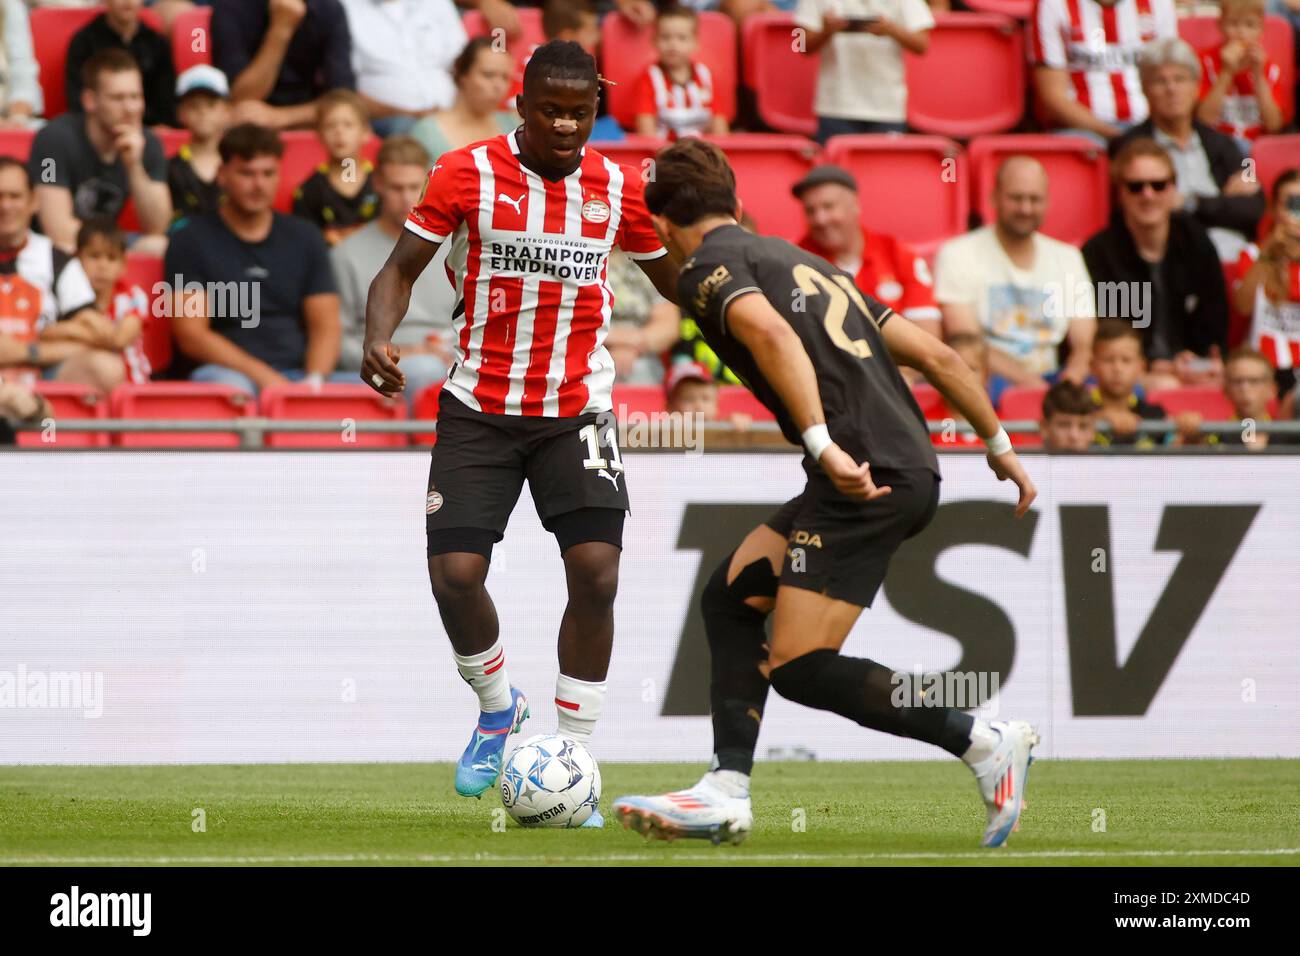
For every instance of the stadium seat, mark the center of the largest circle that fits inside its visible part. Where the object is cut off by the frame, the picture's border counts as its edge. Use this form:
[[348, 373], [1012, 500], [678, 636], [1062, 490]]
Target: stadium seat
[[171, 139], [784, 80], [52, 31], [303, 152], [180, 400], [68, 401], [1274, 155], [1279, 41], [1020, 9], [17, 143], [987, 51], [146, 272], [1206, 399], [1023, 403], [332, 402], [738, 400], [191, 38], [643, 399], [912, 185], [626, 50], [425, 407], [530, 23], [766, 166], [632, 151], [1077, 169], [931, 402]]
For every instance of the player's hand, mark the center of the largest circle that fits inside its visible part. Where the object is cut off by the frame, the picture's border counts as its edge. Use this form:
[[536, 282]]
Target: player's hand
[[1008, 468], [850, 479], [381, 360]]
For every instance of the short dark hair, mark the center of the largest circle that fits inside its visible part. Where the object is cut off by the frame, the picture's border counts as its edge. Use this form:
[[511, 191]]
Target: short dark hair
[[468, 56], [101, 227], [111, 59], [562, 59], [8, 162], [1110, 330], [691, 179], [561, 15], [248, 141], [1067, 398]]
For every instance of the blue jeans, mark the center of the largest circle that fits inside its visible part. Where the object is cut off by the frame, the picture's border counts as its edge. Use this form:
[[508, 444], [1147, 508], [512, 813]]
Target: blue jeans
[[213, 374], [828, 126], [387, 126], [421, 371]]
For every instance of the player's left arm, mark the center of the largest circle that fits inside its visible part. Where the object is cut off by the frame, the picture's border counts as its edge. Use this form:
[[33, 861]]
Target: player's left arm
[[946, 371], [662, 271]]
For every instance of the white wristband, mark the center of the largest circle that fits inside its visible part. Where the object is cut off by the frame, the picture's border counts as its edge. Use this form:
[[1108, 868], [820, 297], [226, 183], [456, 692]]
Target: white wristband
[[999, 444], [817, 438]]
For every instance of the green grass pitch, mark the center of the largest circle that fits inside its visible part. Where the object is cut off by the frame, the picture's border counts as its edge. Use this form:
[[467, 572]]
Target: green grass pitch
[[1154, 813]]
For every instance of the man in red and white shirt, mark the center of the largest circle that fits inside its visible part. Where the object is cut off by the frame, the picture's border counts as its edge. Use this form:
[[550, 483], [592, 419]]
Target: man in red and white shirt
[[1085, 53], [531, 218]]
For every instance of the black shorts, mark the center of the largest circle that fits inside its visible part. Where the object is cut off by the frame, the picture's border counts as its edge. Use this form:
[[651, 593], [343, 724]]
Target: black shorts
[[842, 547], [480, 462]]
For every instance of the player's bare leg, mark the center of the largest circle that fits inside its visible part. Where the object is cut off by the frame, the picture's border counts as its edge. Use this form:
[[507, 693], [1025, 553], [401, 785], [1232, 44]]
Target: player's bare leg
[[470, 618]]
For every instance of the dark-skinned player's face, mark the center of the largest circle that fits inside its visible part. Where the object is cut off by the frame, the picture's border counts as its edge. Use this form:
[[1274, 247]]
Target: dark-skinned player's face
[[558, 115]]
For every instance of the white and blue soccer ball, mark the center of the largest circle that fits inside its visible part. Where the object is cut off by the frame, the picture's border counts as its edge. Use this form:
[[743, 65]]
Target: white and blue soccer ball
[[550, 781]]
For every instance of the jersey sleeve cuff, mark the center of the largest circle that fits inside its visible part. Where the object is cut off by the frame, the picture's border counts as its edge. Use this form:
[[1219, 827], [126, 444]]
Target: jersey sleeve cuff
[[643, 256], [884, 317], [726, 303], [425, 233]]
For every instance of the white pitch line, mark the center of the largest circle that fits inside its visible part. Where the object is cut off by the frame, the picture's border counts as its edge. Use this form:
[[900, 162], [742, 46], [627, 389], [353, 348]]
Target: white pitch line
[[667, 856]]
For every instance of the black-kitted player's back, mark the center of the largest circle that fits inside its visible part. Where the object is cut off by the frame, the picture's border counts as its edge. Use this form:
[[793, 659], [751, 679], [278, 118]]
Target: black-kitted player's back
[[869, 408]]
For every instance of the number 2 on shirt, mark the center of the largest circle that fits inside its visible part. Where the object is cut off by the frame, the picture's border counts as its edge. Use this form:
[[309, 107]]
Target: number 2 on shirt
[[839, 291]]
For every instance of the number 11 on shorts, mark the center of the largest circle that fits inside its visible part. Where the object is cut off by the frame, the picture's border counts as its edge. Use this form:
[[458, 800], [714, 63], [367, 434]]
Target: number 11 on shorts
[[594, 462]]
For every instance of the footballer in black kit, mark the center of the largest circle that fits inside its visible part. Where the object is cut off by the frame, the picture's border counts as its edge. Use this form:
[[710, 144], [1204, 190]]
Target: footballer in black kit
[[821, 356]]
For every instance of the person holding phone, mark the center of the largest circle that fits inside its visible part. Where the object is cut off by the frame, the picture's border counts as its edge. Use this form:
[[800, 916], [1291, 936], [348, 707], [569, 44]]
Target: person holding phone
[[861, 84]]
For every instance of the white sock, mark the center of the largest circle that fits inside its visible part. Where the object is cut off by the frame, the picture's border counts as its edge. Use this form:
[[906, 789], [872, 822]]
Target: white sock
[[486, 673], [984, 739], [578, 703], [731, 782]]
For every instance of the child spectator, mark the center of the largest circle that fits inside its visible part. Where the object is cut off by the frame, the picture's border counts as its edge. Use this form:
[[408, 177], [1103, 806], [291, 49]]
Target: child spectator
[[1068, 418], [203, 105], [574, 20], [119, 26], [692, 390], [1250, 386], [339, 196], [675, 96], [1118, 364], [1240, 86]]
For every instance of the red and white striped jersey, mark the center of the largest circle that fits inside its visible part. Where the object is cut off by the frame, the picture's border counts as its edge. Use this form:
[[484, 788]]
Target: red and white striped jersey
[[680, 109], [529, 258], [1098, 46], [1274, 326], [1240, 116]]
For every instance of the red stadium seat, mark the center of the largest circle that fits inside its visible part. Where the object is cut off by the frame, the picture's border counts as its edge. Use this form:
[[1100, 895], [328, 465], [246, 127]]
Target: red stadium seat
[[1020, 9], [633, 151], [933, 407], [738, 400], [425, 407], [303, 152], [783, 79], [1078, 172], [642, 399], [912, 185], [171, 139], [1273, 156], [626, 50], [68, 401], [192, 38], [1279, 41], [182, 400], [52, 31], [766, 166], [147, 272], [332, 402], [987, 52], [1023, 403], [17, 143], [1206, 399]]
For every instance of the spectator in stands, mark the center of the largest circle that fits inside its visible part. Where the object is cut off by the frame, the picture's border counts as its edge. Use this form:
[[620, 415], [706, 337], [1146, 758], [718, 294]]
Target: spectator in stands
[[20, 88], [1240, 86], [861, 86], [973, 348], [881, 265], [1085, 54], [574, 20], [402, 52], [1251, 387], [281, 56], [1118, 364], [691, 389], [119, 27], [1268, 284], [643, 325], [203, 105], [1155, 266], [425, 335], [675, 95], [1211, 184], [482, 76], [1026, 292], [89, 164], [1069, 422], [110, 333], [339, 196], [19, 405], [40, 284], [277, 317]]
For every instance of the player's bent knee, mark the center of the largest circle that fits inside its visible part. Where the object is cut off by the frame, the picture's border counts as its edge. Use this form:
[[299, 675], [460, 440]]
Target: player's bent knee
[[751, 592], [592, 573], [796, 680], [457, 576]]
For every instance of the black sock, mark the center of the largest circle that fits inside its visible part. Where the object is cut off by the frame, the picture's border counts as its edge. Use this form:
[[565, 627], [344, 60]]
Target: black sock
[[737, 688], [864, 692]]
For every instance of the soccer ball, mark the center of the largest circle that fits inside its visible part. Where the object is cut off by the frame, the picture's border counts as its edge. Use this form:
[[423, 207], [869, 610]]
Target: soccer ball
[[550, 781]]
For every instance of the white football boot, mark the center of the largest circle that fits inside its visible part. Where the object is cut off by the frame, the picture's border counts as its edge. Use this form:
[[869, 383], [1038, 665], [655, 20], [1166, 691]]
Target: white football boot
[[703, 812], [1002, 777]]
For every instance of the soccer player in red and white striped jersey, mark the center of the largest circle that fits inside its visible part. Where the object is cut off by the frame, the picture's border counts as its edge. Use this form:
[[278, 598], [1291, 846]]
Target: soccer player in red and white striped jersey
[[531, 217], [1085, 53]]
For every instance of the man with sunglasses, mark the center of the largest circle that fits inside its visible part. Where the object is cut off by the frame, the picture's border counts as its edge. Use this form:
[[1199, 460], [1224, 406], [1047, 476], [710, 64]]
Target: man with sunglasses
[[1155, 266]]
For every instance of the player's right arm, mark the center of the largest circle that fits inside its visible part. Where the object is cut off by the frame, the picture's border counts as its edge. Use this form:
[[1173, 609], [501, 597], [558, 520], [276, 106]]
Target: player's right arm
[[945, 370], [386, 305]]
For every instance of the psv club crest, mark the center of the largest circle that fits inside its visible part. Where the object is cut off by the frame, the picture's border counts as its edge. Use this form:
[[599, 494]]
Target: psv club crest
[[595, 211]]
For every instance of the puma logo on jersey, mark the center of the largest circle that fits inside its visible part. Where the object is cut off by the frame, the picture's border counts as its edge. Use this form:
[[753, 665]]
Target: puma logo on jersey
[[613, 479], [502, 197]]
